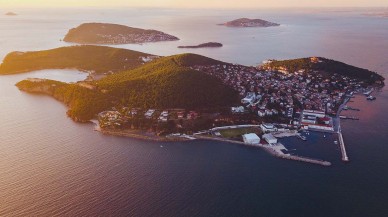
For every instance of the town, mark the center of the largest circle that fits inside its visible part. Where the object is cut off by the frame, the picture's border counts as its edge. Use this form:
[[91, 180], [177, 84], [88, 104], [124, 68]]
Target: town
[[275, 103]]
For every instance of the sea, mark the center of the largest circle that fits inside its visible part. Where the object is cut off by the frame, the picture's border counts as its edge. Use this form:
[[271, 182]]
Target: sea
[[52, 166]]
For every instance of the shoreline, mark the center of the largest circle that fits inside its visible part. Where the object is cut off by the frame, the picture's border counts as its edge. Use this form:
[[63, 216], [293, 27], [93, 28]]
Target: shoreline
[[276, 152]]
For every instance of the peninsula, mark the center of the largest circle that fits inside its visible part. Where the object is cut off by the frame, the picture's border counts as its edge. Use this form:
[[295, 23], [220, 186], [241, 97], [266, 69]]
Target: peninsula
[[245, 22], [106, 33], [89, 58], [204, 45]]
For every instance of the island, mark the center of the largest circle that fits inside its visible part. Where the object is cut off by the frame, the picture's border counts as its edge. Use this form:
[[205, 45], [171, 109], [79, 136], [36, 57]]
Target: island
[[11, 14], [204, 45], [245, 22], [383, 14], [189, 96], [106, 33]]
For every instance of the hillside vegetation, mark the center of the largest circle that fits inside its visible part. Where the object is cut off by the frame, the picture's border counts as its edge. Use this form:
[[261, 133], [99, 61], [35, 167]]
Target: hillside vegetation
[[163, 83], [328, 66], [99, 59]]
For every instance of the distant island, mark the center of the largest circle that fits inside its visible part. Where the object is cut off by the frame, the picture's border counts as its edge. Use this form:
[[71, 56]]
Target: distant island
[[204, 45], [383, 14], [11, 14], [245, 22], [105, 33]]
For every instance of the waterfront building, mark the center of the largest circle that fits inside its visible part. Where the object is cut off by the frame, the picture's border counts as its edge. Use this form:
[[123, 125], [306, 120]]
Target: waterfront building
[[270, 138], [251, 138], [267, 128]]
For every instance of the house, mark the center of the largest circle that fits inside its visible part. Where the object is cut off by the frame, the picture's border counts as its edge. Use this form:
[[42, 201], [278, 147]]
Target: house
[[239, 109], [261, 113], [249, 98], [270, 138], [149, 113], [251, 138]]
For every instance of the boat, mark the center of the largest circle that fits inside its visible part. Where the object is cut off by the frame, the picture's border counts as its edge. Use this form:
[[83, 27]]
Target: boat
[[370, 97], [302, 137], [324, 135], [336, 142], [367, 93]]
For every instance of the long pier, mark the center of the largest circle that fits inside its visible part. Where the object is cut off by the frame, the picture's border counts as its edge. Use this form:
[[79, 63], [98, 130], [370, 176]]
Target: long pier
[[342, 146], [270, 150]]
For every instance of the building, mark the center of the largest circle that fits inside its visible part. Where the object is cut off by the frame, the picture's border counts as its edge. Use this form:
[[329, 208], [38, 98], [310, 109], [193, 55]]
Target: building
[[270, 138], [251, 138], [266, 128], [239, 109], [250, 98], [149, 113]]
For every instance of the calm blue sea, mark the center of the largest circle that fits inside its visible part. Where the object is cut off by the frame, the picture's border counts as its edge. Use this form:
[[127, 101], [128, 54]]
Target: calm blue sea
[[51, 166]]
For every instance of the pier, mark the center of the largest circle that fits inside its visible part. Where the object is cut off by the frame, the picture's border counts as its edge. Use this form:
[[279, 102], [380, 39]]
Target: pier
[[342, 146], [274, 150]]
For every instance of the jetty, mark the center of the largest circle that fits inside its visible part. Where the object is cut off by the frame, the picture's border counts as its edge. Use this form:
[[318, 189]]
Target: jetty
[[342, 146], [349, 117], [273, 149]]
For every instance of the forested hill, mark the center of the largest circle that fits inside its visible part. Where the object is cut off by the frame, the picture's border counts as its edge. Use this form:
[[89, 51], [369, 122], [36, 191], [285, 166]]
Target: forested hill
[[163, 83], [325, 65], [98, 59]]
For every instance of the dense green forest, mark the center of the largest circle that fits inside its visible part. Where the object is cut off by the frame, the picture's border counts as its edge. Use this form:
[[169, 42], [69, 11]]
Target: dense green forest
[[99, 59], [163, 83], [328, 66]]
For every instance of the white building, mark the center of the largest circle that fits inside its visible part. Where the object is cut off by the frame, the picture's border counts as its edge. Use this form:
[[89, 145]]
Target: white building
[[270, 138], [251, 138], [239, 109], [268, 128]]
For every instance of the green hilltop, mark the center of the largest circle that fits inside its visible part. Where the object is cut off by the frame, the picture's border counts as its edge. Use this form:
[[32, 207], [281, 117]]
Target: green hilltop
[[99, 59], [327, 66], [164, 83]]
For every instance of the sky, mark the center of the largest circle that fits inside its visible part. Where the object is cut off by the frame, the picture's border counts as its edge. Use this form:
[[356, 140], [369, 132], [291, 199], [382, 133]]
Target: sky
[[195, 3]]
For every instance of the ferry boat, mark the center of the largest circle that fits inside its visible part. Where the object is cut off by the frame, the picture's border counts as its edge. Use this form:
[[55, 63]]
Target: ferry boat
[[370, 97]]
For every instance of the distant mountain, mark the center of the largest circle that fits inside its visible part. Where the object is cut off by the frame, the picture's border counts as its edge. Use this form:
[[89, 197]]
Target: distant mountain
[[204, 45], [97, 59], [164, 83], [11, 14], [245, 22], [106, 33]]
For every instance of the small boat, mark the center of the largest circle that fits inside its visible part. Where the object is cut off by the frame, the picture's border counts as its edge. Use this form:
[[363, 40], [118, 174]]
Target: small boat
[[336, 142], [302, 137], [368, 92], [370, 97], [161, 146], [324, 135]]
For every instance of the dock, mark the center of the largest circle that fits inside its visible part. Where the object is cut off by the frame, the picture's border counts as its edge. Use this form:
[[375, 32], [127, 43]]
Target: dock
[[342, 146]]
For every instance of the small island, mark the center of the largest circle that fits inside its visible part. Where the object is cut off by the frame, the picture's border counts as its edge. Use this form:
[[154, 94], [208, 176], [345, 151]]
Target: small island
[[204, 45], [11, 14], [245, 22], [106, 33]]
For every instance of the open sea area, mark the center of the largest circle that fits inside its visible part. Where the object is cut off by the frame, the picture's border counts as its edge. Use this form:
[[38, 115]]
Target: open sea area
[[52, 166]]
